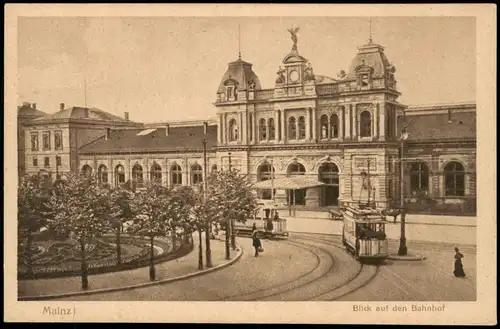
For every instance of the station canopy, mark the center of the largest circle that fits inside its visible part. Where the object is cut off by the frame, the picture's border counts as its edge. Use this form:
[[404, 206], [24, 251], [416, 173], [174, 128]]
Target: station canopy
[[289, 183]]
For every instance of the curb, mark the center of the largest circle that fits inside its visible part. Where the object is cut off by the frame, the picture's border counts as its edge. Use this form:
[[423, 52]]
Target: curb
[[407, 258], [141, 285]]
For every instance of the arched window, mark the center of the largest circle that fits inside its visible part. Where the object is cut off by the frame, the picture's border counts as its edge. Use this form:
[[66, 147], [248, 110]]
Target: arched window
[[296, 169], [365, 124], [302, 128], [214, 168], [297, 197], [324, 127], [119, 175], [265, 172], [262, 130], [292, 128], [102, 174], [419, 178], [137, 175], [155, 173], [233, 130], [272, 129], [329, 174], [176, 175], [196, 174], [334, 126], [87, 171], [454, 179]]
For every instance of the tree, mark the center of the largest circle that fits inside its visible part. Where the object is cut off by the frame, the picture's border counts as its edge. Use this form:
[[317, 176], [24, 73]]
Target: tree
[[182, 201], [200, 219], [31, 198], [120, 212], [152, 212], [230, 197], [79, 208]]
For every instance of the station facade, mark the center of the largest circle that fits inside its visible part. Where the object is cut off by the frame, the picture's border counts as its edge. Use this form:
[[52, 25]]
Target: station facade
[[350, 133]]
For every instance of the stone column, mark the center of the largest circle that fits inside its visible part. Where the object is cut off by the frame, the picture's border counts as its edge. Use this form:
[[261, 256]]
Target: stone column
[[382, 118], [128, 170], [277, 131], [341, 122], [308, 124], [164, 174], [347, 122], [354, 117], [254, 127], [283, 126], [240, 124], [219, 129], [244, 128], [223, 128], [314, 128], [375, 121], [111, 172]]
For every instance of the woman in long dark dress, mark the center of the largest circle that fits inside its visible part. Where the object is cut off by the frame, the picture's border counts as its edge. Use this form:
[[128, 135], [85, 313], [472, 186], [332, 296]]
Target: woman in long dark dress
[[255, 240], [459, 268]]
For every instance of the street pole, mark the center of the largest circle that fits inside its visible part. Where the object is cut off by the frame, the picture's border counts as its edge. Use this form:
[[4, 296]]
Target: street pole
[[233, 239], [228, 222], [208, 251], [403, 250]]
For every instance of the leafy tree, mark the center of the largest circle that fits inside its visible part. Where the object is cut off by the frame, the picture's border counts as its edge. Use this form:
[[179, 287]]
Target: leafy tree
[[120, 212], [31, 198], [78, 208], [152, 209], [200, 220], [229, 197], [182, 201]]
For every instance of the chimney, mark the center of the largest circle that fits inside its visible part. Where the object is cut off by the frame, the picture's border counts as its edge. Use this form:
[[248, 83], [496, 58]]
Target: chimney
[[126, 116], [86, 112], [26, 104], [205, 127], [108, 133], [167, 130], [61, 106], [33, 106]]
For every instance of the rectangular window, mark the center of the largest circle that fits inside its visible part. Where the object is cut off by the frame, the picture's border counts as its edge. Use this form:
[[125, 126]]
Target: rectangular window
[[389, 165], [46, 162], [46, 140], [34, 142], [58, 161], [390, 190], [58, 144], [35, 162]]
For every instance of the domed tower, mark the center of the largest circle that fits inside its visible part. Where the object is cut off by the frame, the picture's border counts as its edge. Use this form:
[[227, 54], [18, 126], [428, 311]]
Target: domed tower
[[371, 69], [238, 88], [238, 79]]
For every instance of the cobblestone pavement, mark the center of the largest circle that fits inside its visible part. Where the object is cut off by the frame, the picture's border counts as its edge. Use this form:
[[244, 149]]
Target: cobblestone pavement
[[316, 267]]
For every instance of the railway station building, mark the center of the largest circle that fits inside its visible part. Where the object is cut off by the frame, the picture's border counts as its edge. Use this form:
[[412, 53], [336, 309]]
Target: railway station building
[[350, 133]]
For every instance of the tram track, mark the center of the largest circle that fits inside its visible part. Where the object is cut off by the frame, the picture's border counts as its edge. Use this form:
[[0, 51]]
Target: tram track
[[250, 296], [362, 277]]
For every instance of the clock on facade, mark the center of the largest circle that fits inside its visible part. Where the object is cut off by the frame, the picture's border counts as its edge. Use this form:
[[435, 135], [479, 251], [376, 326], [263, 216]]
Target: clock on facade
[[294, 76]]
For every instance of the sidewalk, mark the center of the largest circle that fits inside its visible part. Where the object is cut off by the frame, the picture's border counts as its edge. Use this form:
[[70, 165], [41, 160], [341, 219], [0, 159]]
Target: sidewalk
[[169, 270], [453, 234], [410, 218]]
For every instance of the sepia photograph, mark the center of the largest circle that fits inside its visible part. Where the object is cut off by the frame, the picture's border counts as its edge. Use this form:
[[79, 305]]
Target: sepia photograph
[[211, 156]]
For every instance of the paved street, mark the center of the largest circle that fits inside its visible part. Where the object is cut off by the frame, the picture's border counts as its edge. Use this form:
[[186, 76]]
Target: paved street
[[315, 267]]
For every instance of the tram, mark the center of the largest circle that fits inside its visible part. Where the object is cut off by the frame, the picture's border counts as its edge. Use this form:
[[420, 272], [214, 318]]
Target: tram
[[363, 233], [267, 220]]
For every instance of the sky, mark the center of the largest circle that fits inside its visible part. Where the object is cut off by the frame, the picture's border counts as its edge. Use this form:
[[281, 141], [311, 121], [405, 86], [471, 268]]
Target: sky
[[169, 68]]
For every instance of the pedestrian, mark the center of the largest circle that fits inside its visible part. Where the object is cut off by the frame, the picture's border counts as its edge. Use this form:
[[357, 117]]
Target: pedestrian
[[459, 268], [255, 240]]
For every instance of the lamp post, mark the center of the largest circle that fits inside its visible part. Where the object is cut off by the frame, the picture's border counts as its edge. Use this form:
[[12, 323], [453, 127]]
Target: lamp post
[[231, 220], [208, 252], [402, 241], [58, 158]]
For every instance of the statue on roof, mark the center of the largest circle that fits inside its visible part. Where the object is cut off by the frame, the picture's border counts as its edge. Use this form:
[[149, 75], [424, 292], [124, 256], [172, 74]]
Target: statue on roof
[[293, 34], [281, 75], [308, 72]]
